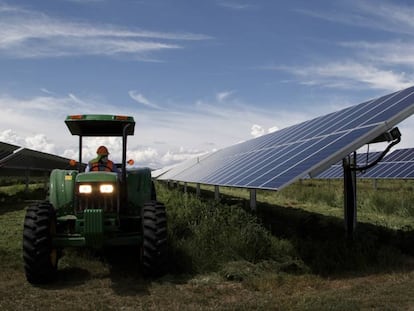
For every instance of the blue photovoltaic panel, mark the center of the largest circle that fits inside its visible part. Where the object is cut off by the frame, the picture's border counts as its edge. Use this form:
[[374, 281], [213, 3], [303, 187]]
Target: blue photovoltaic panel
[[275, 160], [398, 165], [336, 170]]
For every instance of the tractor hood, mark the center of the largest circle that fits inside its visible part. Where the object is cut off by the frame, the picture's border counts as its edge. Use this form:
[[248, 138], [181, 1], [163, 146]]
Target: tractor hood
[[97, 177]]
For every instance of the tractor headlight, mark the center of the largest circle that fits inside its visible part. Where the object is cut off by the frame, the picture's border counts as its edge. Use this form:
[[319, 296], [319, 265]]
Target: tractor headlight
[[106, 188], [85, 188]]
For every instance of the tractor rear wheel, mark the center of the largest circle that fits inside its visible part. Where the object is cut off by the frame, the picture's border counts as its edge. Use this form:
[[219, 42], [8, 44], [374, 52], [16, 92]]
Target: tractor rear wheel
[[154, 233], [40, 258]]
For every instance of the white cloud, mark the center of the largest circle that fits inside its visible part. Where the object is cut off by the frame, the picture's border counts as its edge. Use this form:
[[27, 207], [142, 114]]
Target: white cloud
[[350, 74], [257, 130], [11, 137], [234, 5], [388, 53], [29, 34], [222, 96], [171, 157], [36, 142], [46, 91], [40, 142], [378, 15], [141, 99], [369, 64], [145, 157]]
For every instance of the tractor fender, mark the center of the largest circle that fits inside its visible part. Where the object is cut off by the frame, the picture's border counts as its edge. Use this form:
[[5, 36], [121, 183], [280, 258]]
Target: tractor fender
[[139, 187], [62, 189]]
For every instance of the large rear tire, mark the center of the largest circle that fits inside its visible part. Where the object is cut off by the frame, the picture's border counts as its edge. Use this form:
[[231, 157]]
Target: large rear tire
[[40, 257], [154, 233]]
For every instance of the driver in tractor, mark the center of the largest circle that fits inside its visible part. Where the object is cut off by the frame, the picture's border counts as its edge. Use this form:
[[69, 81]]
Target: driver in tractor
[[101, 162]]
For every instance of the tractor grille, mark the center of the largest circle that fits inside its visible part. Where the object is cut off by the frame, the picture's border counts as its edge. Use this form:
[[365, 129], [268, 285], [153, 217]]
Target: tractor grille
[[108, 203]]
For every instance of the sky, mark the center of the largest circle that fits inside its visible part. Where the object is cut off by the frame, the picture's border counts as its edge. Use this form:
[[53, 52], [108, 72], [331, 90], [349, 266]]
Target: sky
[[196, 76]]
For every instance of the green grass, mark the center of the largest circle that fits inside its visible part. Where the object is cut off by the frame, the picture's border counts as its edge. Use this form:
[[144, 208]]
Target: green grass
[[291, 255], [204, 236]]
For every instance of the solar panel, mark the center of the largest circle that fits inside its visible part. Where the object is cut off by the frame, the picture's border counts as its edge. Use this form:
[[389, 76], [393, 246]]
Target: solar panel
[[180, 167], [277, 159], [14, 158], [336, 170], [6, 149], [397, 165]]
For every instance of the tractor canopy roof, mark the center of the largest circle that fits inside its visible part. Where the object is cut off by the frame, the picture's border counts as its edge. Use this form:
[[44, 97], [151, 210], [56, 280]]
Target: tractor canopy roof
[[100, 125]]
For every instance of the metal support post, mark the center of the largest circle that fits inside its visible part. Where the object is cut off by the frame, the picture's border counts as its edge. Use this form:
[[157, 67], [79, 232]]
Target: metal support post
[[27, 181], [253, 201], [350, 200], [216, 193], [198, 191]]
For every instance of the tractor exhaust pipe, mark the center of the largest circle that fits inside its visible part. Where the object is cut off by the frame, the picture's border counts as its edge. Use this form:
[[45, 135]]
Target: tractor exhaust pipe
[[124, 147]]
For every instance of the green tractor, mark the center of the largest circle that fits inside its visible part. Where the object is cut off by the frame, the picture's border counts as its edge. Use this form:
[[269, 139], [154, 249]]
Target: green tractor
[[95, 209]]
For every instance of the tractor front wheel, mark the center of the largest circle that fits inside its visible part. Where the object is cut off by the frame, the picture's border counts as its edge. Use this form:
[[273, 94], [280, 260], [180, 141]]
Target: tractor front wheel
[[40, 258], [154, 234]]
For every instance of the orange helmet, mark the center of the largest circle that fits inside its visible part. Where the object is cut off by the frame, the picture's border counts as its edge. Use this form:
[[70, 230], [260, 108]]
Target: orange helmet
[[102, 150]]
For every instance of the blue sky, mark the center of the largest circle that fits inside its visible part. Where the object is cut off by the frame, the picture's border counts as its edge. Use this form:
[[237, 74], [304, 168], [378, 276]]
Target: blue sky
[[196, 75]]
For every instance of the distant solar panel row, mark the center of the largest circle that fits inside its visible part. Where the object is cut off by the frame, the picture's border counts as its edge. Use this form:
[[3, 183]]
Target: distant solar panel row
[[336, 170], [275, 160], [6, 149], [397, 165], [14, 158]]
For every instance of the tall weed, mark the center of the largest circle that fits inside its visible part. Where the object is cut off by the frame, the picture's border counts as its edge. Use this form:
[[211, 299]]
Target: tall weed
[[314, 192], [399, 203], [205, 235]]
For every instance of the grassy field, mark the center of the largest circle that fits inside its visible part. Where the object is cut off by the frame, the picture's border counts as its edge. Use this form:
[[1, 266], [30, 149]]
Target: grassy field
[[291, 255]]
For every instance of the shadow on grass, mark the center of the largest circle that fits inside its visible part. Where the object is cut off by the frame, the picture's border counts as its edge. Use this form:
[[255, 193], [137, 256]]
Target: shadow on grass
[[10, 207], [321, 243], [125, 274], [71, 276], [20, 200]]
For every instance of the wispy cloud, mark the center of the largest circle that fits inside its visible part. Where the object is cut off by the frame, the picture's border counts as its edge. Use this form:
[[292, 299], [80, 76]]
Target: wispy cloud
[[44, 90], [222, 96], [29, 34], [234, 5], [378, 15], [141, 99], [374, 64], [349, 74], [389, 53]]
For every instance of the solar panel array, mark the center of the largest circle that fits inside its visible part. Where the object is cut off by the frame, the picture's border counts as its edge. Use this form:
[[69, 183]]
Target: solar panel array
[[7, 150], [275, 160], [336, 170], [397, 165], [15, 160]]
